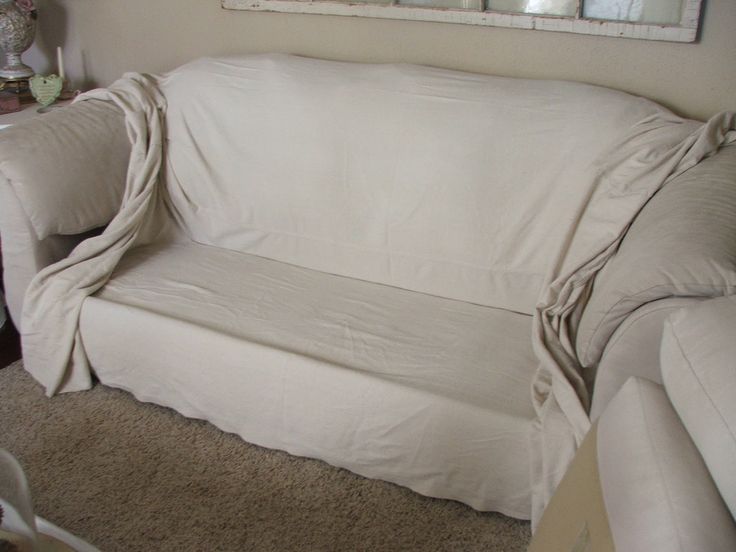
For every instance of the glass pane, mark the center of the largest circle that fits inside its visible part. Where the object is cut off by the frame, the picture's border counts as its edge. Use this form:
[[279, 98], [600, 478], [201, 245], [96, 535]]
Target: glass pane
[[386, 2], [639, 11], [541, 7], [455, 4]]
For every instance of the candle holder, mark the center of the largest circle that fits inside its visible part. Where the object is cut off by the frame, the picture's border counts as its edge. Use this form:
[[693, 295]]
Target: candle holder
[[67, 93]]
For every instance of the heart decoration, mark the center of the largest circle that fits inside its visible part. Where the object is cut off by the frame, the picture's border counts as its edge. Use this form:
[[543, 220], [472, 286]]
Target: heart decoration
[[46, 89]]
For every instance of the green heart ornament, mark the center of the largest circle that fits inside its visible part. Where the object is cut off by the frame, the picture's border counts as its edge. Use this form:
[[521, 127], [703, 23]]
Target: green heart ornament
[[46, 89]]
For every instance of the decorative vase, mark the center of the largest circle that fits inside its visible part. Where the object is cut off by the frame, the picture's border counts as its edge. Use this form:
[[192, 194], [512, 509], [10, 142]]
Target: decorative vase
[[17, 31]]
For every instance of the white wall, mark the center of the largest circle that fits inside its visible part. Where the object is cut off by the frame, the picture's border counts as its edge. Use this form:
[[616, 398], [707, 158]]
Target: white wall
[[104, 38]]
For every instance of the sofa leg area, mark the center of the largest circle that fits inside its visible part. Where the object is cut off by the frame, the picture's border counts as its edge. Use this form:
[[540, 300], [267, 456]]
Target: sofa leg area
[[9, 344]]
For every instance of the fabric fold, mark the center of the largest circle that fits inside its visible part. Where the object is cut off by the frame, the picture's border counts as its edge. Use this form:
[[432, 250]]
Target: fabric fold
[[640, 163], [52, 347], [608, 196]]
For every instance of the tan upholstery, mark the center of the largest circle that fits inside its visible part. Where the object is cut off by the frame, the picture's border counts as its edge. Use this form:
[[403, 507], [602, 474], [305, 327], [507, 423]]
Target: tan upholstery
[[633, 350], [699, 371], [637, 484]]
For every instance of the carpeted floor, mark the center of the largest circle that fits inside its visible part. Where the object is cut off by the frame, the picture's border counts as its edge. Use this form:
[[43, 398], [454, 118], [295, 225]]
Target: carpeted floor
[[130, 476]]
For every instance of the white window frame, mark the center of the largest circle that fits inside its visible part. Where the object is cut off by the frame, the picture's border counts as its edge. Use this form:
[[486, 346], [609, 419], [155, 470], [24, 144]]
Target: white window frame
[[685, 31]]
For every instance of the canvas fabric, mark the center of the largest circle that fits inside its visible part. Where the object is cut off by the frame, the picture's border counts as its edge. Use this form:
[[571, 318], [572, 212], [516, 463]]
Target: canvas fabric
[[500, 192], [683, 244], [58, 175], [424, 391]]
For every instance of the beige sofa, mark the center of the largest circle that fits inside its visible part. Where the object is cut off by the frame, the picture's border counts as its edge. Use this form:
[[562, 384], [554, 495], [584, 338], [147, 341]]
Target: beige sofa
[[391, 268]]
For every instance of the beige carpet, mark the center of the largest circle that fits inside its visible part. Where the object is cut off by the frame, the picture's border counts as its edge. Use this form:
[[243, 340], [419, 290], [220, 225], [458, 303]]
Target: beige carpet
[[130, 476]]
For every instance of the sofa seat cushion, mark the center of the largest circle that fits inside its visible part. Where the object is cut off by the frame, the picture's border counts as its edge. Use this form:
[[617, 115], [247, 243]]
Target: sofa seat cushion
[[427, 392]]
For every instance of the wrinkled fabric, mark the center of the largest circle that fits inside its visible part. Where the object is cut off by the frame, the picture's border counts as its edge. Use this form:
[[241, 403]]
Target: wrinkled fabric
[[324, 182], [693, 223], [454, 184], [427, 392], [653, 151], [52, 349]]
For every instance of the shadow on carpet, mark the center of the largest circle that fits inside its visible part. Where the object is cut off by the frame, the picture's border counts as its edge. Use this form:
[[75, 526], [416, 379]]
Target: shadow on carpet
[[131, 476]]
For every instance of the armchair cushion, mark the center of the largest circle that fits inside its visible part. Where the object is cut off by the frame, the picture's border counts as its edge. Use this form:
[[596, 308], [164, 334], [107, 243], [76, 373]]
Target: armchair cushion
[[637, 484], [699, 370]]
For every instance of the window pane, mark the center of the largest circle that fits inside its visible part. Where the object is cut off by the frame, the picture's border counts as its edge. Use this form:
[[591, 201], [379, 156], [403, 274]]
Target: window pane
[[541, 7], [640, 11], [457, 4], [387, 2]]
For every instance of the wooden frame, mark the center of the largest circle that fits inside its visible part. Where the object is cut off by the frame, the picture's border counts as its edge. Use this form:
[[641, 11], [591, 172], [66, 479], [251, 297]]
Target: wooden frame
[[686, 31]]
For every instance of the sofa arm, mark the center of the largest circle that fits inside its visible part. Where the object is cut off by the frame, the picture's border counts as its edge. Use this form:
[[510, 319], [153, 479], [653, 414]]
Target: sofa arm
[[633, 350], [23, 253], [637, 484], [62, 177], [682, 244]]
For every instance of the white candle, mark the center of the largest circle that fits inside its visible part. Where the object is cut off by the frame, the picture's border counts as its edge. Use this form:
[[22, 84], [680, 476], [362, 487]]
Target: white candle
[[60, 62]]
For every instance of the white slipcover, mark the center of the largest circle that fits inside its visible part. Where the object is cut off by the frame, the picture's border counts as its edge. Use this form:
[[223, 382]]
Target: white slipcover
[[441, 214], [72, 201], [454, 184], [682, 245], [424, 391]]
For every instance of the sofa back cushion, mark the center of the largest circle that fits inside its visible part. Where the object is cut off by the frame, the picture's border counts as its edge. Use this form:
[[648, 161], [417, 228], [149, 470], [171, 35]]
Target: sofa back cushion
[[448, 183], [698, 359]]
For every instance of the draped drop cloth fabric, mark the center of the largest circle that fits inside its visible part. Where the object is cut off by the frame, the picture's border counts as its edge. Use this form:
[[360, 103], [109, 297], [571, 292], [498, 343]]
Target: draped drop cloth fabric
[[52, 349], [655, 150], [560, 239]]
